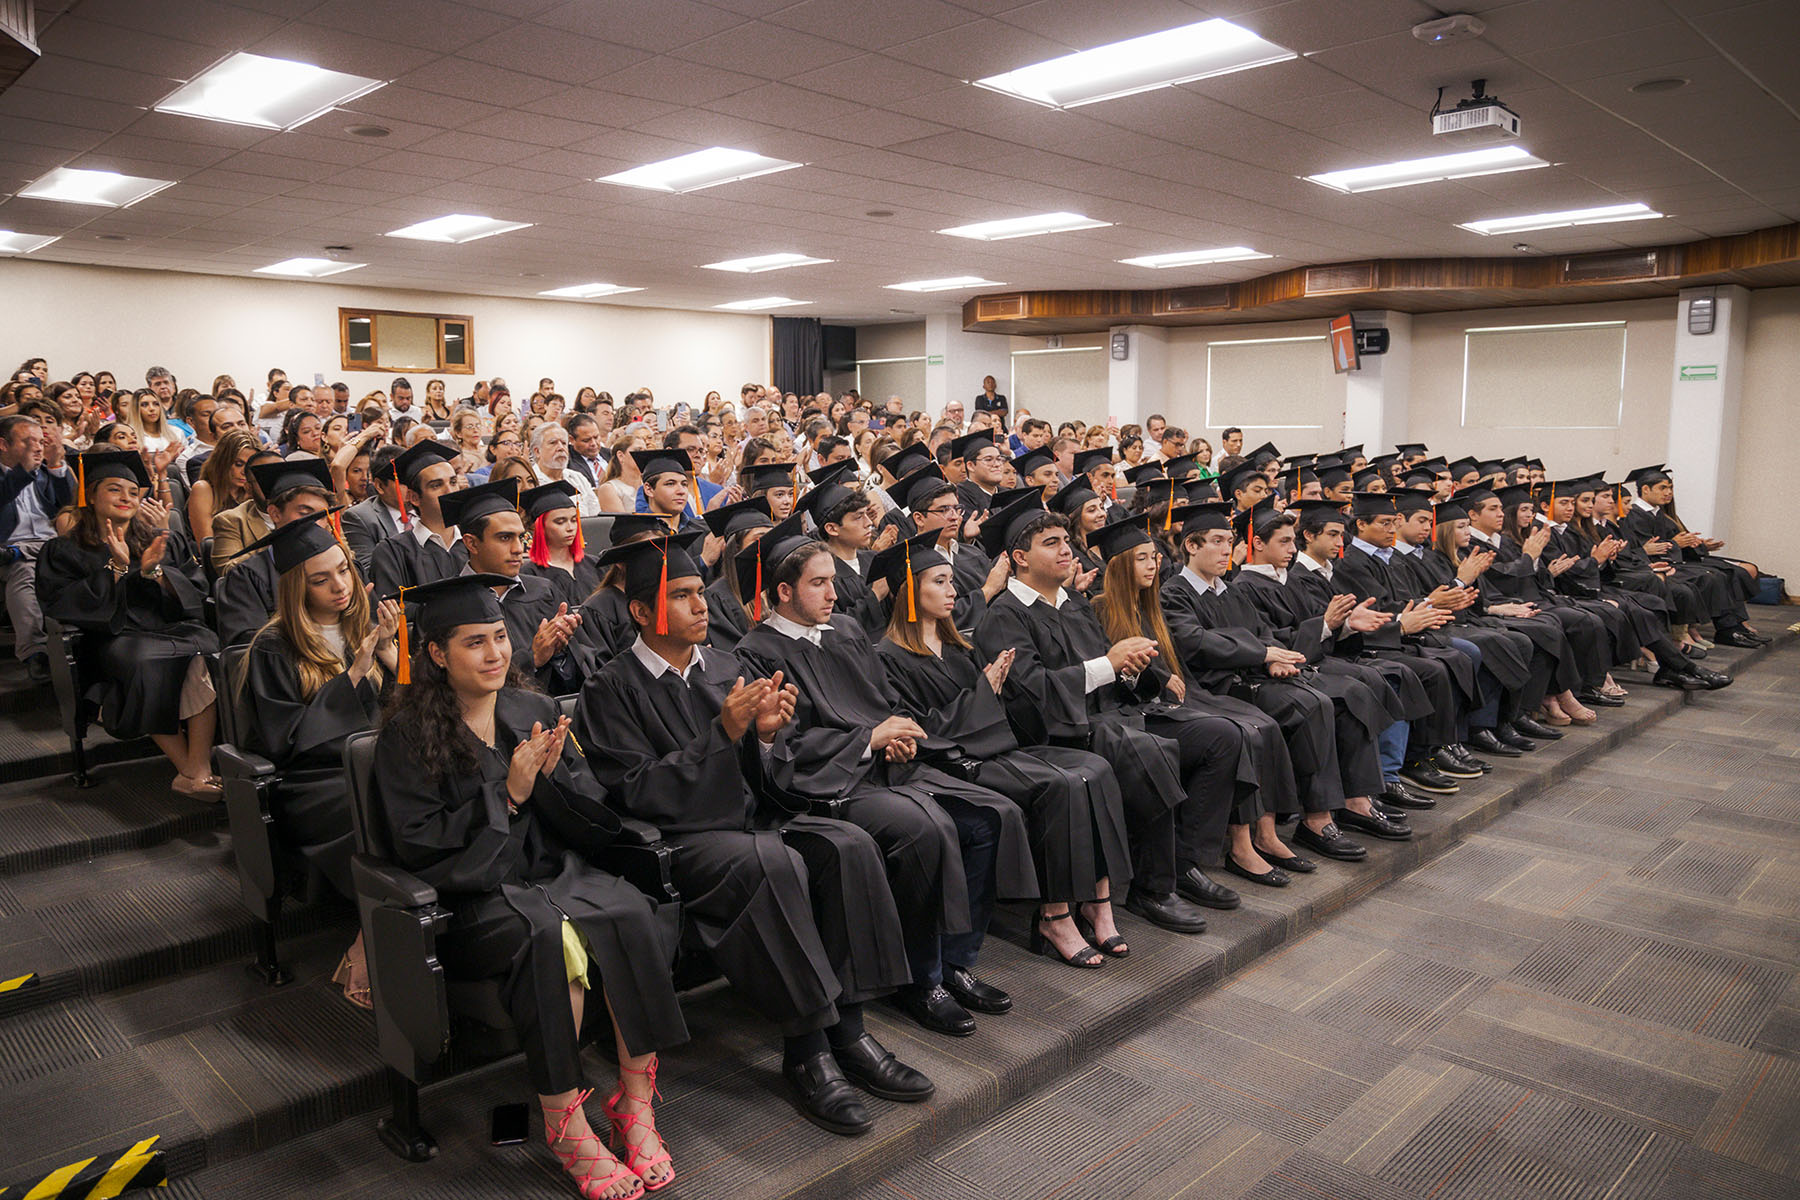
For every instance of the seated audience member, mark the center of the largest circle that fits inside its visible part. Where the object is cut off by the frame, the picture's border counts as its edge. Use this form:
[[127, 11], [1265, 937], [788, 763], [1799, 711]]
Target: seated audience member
[[1070, 797], [487, 799], [369, 522], [984, 465], [315, 675], [550, 459], [427, 548], [224, 482], [952, 847], [134, 589], [668, 480], [556, 551], [606, 629], [732, 603], [539, 620], [1724, 584], [1073, 684], [35, 484], [793, 908], [840, 514], [774, 482], [587, 453], [702, 494], [245, 594], [931, 504], [245, 522]]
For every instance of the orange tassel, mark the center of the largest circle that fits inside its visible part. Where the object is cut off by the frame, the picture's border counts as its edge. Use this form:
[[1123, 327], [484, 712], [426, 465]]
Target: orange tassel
[[912, 608], [403, 670], [337, 529], [400, 495], [81, 482], [756, 607], [694, 484], [662, 597]]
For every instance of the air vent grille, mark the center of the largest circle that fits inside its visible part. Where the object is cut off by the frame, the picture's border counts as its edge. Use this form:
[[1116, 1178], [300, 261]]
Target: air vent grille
[[1606, 268], [1196, 298], [1340, 277], [988, 308]]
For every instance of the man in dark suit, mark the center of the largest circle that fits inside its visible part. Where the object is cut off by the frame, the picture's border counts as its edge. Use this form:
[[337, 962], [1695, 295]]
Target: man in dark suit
[[35, 483], [370, 522], [587, 454]]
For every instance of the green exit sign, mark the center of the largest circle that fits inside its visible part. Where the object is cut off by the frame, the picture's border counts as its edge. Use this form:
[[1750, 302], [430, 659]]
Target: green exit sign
[[934, 360], [1695, 374]]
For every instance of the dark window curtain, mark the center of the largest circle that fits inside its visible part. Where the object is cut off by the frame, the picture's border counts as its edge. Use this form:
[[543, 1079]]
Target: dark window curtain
[[799, 355]]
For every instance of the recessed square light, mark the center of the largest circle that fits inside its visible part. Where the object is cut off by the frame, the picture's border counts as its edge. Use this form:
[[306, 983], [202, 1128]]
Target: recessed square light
[[950, 283], [1017, 227], [309, 268], [24, 243], [1562, 220], [701, 169], [268, 93], [1495, 160], [457, 228], [588, 291], [1139, 64], [1194, 258], [108, 189], [764, 262], [762, 302]]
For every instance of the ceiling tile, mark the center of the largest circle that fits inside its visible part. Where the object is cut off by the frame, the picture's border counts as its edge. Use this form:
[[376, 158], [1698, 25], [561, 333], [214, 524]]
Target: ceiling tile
[[553, 54]]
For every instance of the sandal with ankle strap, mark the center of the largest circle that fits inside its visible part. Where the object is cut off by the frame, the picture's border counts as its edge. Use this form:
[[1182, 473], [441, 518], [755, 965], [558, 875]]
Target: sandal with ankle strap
[[344, 977], [1113, 947], [1086, 958], [637, 1159], [590, 1186]]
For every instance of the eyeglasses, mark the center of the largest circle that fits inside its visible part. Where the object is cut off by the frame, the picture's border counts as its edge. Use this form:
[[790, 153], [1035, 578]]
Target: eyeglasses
[[938, 510]]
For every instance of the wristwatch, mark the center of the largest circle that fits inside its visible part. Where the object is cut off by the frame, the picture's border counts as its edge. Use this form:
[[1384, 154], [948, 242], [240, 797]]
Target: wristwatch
[[154, 574]]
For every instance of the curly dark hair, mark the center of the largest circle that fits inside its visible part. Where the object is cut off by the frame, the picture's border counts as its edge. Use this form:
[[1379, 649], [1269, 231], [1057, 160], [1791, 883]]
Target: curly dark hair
[[426, 712]]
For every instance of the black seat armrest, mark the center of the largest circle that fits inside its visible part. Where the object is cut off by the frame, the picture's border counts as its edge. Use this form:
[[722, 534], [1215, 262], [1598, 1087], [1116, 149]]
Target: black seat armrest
[[242, 764], [385, 883], [633, 832]]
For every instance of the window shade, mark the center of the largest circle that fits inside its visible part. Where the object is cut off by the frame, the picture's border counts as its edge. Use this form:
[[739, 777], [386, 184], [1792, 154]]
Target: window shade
[[904, 378], [1061, 385], [1544, 377], [1276, 384]]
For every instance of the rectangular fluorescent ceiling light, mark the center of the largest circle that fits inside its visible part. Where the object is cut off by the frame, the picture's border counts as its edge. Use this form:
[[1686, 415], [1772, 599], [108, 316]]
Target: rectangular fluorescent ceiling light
[[457, 228], [1563, 220], [764, 262], [1198, 51], [23, 243], [1493, 161], [701, 169], [588, 291], [1017, 227], [108, 189], [309, 268], [1194, 258], [762, 302], [949, 283], [268, 93]]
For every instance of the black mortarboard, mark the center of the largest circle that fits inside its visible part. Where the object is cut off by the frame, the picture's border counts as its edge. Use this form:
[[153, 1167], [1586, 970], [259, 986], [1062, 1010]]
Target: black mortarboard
[[1332, 472], [501, 495], [1120, 536], [766, 475], [661, 461], [1420, 476], [1462, 467], [1069, 500], [459, 600], [760, 560], [1199, 491], [1259, 517], [547, 498], [919, 488], [1451, 510], [406, 466], [629, 525], [1295, 478], [1351, 453], [291, 544], [1033, 460], [1559, 487], [832, 473], [275, 478], [1004, 524], [1535, 464], [1490, 469], [1644, 476], [1144, 472], [1411, 448], [728, 519], [1237, 477], [1200, 518], [1371, 504], [649, 565], [907, 459], [901, 563], [822, 499], [1367, 476], [1088, 460], [1436, 466], [971, 444], [1385, 462], [1475, 497], [1265, 453], [91, 466], [1182, 465], [1301, 508], [1407, 503], [1517, 494]]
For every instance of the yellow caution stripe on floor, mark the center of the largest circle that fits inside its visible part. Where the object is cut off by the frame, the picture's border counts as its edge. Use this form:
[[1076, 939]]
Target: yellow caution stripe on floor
[[100, 1178], [13, 985]]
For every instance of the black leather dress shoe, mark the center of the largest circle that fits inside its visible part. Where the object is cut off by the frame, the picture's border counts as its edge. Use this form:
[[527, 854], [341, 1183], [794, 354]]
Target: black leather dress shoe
[[1468, 759], [1597, 699], [1536, 730], [934, 1008], [1423, 776], [1714, 680], [1377, 825], [1193, 884], [1445, 763], [1273, 877], [1695, 652], [826, 1096], [1694, 679], [970, 992], [874, 1069], [1398, 795], [1512, 737], [1169, 912], [1743, 639], [1396, 815], [1292, 863], [1329, 841], [1489, 744]]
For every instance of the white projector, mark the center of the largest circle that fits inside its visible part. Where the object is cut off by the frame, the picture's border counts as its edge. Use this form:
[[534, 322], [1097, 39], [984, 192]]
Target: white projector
[[1477, 123]]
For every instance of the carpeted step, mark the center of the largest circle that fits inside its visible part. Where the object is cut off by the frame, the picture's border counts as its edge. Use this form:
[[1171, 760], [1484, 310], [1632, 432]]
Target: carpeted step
[[48, 821]]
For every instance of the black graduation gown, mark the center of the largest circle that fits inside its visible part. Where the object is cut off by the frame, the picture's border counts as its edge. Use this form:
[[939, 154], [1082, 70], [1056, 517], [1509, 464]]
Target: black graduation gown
[[794, 909], [1127, 723], [855, 599], [1367, 575], [527, 605], [570, 589], [1723, 584], [1647, 612], [1517, 576], [726, 620], [1374, 699], [969, 568], [1630, 570], [606, 630], [975, 500], [844, 694], [1506, 654], [245, 597], [304, 737], [141, 633], [401, 561], [1070, 797], [511, 879]]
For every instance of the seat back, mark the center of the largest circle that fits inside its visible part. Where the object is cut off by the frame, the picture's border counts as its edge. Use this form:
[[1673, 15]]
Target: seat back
[[596, 534], [63, 645], [235, 717], [359, 777]]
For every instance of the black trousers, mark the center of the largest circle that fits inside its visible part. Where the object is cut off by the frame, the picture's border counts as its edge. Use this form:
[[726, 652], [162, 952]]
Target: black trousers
[[1209, 750]]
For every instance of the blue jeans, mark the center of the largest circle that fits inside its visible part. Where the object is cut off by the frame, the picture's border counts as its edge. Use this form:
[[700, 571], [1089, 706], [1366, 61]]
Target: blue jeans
[[1391, 744]]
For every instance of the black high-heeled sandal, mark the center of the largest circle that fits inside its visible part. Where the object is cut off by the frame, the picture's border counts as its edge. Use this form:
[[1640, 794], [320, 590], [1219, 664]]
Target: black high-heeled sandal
[[1087, 958], [1113, 947]]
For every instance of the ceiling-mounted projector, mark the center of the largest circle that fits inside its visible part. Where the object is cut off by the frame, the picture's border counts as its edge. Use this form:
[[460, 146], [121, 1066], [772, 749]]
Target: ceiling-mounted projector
[[1481, 120]]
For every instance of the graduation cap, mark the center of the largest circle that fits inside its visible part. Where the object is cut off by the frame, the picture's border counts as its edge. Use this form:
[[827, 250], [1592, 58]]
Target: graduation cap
[[1182, 465], [1551, 489], [1265, 453], [1385, 462], [1302, 508], [1408, 503], [404, 470], [1260, 518], [902, 563], [832, 473], [1371, 504], [275, 478], [919, 488], [1515, 494], [1237, 477], [1143, 473], [766, 475], [651, 463], [1645, 476], [766, 554], [1203, 518], [1120, 536], [628, 526], [1069, 500], [501, 495], [1366, 478], [650, 564], [908, 459], [1332, 472], [1490, 469], [1419, 477], [91, 466], [1033, 460], [1005, 523], [1090, 460], [1299, 460], [291, 544], [1462, 467], [728, 519], [1199, 491], [1474, 497], [825, 497], [1511, 463], [547, 498], [1351, 453], [1408, 449], [971, 444], [1295, 477], [446, 603]]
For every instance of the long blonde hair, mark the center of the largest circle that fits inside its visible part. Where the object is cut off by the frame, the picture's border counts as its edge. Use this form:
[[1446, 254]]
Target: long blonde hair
[[1127, 610], [905, 634], [313, 657]]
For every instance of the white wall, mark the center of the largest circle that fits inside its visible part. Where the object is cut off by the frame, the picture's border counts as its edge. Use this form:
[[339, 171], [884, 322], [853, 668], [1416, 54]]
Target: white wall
[[199, 326], [905, 339], [1768, 442]]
